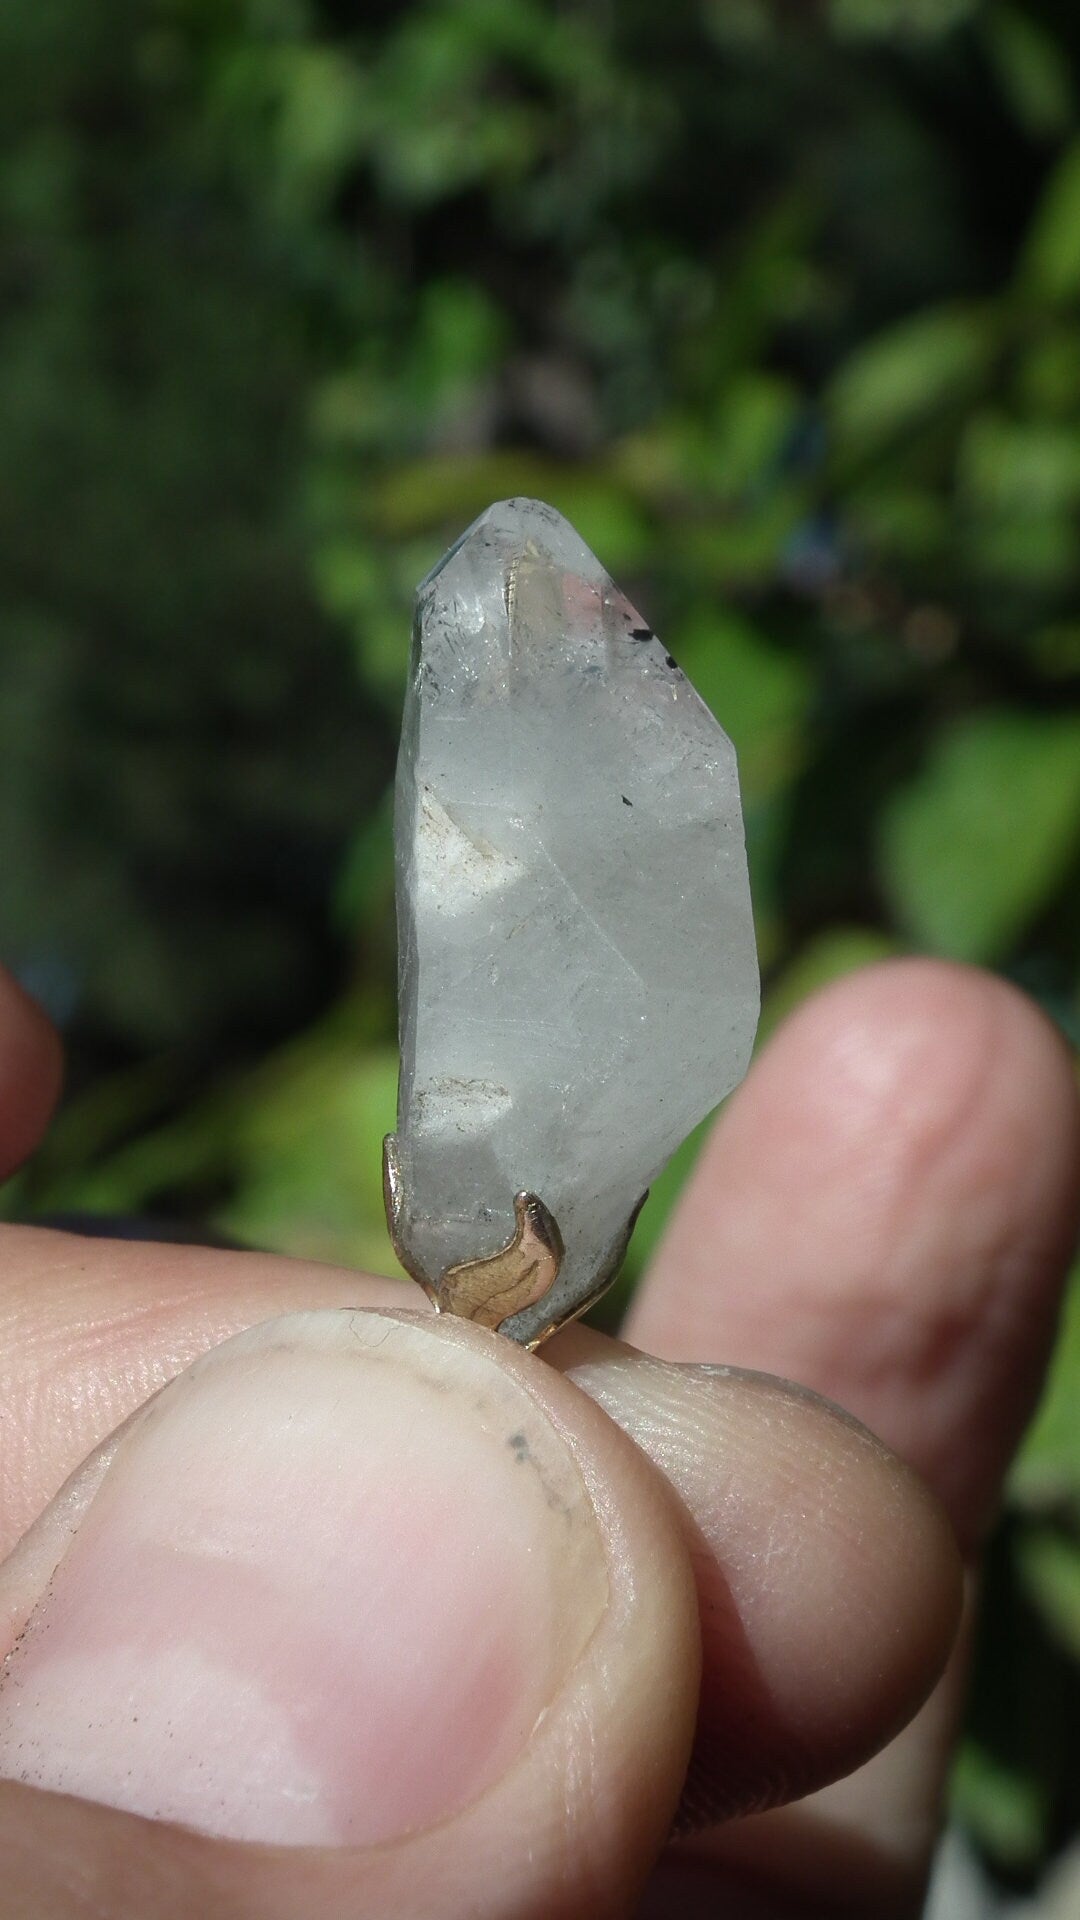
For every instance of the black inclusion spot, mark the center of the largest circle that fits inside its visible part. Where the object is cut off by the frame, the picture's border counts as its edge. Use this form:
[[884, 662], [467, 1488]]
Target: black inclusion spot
[[670, 661], [641, 633], [626, 802]]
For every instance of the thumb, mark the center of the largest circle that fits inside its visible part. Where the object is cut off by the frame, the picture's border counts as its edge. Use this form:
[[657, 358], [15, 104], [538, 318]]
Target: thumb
[[361, 1615]]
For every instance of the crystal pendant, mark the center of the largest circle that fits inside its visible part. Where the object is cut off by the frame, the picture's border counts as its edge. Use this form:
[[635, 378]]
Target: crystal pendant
[[577, 970]]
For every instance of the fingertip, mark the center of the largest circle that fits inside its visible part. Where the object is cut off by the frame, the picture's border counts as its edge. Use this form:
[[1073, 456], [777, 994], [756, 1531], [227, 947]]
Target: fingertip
[[31, 1072], [916, 1044], [829, 1579], [886, 1212]]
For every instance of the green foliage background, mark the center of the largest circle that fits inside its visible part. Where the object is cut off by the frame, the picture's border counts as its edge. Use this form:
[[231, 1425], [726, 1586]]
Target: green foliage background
[[780, 303]]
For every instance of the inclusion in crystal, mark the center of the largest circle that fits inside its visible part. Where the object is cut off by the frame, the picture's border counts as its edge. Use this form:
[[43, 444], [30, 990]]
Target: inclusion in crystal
[[577, 968]]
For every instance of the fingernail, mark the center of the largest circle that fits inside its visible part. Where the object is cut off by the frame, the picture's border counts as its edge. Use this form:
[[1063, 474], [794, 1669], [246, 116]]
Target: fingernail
[[328, 1584]]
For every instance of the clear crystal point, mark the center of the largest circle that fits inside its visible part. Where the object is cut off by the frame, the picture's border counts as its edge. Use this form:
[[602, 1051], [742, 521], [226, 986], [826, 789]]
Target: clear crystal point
[[577, 969]]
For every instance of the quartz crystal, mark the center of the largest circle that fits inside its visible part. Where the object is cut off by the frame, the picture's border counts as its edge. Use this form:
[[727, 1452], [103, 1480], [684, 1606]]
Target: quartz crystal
[[578, 977]]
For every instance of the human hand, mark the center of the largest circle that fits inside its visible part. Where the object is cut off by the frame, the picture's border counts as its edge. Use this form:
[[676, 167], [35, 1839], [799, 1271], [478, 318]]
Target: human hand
[[408, 1622]]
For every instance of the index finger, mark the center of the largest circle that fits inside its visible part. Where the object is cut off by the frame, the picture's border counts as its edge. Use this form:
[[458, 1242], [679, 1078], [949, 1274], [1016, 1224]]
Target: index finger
[[886, 1213]]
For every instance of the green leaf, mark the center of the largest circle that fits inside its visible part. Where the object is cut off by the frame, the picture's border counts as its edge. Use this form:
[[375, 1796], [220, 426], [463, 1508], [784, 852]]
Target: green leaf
[[1048, 372], [1050, 263], [1047, 1471], [1019, 485], [1031, 71], [1056, 650], [974, 845], [365, 884], [899, 19], [740, 447], [1048, 1560], [761, 693], [898, 521], [902, 378], [1021, 468], [1004, 1805], [741, 551], [445, 493], [308, 1152]]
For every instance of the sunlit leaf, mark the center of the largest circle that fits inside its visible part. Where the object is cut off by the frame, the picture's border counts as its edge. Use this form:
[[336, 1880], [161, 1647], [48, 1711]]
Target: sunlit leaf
[[447, 493], [977, 841], [1019, 467], [760, 693], [308, 1155]]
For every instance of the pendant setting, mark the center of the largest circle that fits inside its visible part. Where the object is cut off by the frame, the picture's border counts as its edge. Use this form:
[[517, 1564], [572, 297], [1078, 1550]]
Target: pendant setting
[[577, 970]]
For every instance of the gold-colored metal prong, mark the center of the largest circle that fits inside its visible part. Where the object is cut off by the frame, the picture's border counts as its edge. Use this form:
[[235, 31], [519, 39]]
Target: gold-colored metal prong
[[485, 1291], [605, 1280], [492, 1290], [393, 1201]]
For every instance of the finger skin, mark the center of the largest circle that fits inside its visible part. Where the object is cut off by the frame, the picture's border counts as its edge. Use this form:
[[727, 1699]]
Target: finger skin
[[829, 1583], [90, 1328], [826, 1580], [886, 1212], [31, 1070], [571, 1826]]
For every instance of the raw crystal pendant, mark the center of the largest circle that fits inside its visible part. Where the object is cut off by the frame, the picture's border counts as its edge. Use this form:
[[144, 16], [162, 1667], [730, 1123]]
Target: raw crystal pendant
[[577, 971]]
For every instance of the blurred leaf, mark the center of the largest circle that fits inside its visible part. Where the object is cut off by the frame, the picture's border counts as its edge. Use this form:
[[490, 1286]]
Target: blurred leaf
[[1019, 467], [305, 111], [886, 19], [902, 378], [450, 492], [742, 447], [1050, 263], [742, 551], [1049, 1566], [1003, 1805], [1031, 69], [460, 336], [1049, 372], [1056, 650], [898, 522], [308, 1155], [364, 894], [1028, 554], [760, 693], [976, 843], [1047, 1471], [1019, 483], [739, 23]]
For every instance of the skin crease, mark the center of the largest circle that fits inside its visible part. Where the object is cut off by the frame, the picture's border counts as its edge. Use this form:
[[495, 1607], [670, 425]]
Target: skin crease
[[922, 1297]]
